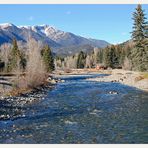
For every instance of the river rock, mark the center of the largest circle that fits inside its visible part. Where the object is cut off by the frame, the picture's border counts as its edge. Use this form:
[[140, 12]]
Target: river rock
[[113, 92], [62, 81], [53, 81], [49, 78]]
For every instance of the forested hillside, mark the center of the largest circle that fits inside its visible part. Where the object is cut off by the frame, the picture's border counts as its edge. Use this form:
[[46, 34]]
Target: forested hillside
[[131, 55]]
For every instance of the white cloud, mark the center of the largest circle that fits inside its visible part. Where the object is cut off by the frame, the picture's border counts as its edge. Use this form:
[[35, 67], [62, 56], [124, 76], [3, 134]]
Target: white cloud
[[31, 18]]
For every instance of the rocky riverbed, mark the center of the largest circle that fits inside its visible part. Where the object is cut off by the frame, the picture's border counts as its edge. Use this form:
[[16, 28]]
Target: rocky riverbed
[[76, 111], [13, 107]]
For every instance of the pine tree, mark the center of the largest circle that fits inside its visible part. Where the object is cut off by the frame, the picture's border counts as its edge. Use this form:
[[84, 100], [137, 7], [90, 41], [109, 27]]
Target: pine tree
[[81, 60], [114, 57], [139, 27], [100, 56], [120, 55], [14, 57], [110, 57], [48, 58], [23, 61], [139, 53], [106, 57]]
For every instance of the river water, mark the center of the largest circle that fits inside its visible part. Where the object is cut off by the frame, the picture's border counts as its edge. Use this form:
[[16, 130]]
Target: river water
[[79, 111]]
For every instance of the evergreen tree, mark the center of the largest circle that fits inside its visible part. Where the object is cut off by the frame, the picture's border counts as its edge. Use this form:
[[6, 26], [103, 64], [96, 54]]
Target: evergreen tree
[[110, 57], [120, 55], [81, 60], [23, 61], [100, 56], [139, 27], [14, 57], [48, 58], [114, 55], [107, 57], [139, 53]]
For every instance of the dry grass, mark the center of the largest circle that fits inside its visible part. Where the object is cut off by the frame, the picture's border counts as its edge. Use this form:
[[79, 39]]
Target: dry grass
[[145, 75], [139, 78], [18, 91]]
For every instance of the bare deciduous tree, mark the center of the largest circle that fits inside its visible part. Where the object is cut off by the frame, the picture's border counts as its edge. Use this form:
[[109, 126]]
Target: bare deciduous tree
[[127, 64], [35, 70]]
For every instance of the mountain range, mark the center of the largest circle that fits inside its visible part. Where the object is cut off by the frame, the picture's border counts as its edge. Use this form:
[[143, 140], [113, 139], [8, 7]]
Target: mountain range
[[63, 43]]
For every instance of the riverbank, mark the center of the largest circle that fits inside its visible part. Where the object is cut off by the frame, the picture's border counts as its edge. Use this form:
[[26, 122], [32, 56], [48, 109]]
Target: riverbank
[[8, 88], [135, 79]]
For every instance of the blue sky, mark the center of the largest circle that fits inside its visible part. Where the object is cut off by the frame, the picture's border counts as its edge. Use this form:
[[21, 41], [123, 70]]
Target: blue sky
[[112, 23]]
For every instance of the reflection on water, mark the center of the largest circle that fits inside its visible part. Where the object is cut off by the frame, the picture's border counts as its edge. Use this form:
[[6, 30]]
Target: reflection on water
[[80, 111]]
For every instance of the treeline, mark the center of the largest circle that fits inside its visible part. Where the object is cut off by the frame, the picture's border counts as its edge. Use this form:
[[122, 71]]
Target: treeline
[[34, 60], [114, 56], [132, 55]]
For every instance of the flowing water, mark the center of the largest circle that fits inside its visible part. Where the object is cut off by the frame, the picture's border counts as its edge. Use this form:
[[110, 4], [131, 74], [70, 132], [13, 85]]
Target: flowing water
[[79, 111]]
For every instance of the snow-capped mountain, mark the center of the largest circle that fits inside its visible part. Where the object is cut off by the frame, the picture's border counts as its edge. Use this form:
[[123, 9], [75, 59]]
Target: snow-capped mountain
[[57, 39]]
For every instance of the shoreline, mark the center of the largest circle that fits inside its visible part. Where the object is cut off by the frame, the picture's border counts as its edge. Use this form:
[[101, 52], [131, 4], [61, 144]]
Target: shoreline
[[6, 92], [129, 78]]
